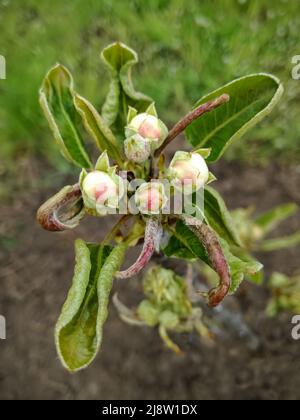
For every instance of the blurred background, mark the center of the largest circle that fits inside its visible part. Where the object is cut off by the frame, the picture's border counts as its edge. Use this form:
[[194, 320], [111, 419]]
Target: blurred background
[[186, 49]]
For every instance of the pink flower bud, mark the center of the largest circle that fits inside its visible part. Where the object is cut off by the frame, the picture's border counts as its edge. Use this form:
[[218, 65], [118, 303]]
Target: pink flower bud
[[101, 190], [149, 127], [188, 169], [150, 198]]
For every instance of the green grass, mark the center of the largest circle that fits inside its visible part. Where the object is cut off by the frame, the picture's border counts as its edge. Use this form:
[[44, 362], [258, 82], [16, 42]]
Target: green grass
[[186, 49]]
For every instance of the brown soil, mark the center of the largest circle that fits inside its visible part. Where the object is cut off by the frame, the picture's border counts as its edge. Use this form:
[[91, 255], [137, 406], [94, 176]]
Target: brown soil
[[36, 270]]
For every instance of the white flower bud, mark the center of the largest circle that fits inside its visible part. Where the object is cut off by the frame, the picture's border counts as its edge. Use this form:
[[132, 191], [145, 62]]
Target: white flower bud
[[149, 127], [188, 169], [137, 148], [150, 198], [101, 191]]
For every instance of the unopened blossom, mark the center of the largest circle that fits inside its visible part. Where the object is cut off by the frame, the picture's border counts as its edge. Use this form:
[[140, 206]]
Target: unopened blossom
[[101, 190], [188, 169], [150, 198], [149, 127]]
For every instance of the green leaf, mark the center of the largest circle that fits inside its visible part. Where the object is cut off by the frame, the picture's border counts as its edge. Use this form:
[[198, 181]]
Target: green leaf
[[119, 59], [97, 128], [102, 163], [56, 99], [151, 110], [205, 153], [240, 268], [251, 99], [79, 330], [218, 216], [250, 268], [284, 242], [272, 218], [184, 244], [131, 114]]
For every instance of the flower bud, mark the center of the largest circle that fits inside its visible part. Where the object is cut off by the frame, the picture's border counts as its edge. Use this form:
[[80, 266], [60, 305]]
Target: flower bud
[[102, 191], [188, 169], [149, 127], [137, 148], [150, 198]]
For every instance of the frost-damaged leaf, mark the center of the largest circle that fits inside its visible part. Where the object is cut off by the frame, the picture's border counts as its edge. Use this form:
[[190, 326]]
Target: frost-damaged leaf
[[251, 99], [79, 330], [119, 59], [56, 99], [218, 216], [97, 128], [153, 233], [272, 218], [62, 211]]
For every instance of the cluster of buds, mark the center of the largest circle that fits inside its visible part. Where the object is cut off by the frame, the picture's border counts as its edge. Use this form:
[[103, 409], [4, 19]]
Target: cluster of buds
[[103, 189], [144, 134], [188, 171]]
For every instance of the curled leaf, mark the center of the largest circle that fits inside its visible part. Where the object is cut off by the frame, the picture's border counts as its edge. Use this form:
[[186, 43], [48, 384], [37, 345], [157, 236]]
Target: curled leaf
[[216, 256], [120, 59], [56, 100], [79, 330], [153, 233], [62, 211], [97, 128]]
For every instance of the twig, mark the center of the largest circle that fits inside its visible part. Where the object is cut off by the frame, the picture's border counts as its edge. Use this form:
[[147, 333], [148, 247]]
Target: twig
[[190, 117]]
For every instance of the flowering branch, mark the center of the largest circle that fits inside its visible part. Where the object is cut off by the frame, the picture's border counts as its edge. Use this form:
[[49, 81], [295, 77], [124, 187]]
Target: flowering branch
[[216, 256], [190, 117], [153, 234]]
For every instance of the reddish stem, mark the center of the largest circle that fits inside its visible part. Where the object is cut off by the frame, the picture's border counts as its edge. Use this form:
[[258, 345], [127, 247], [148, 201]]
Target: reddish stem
[[190, 117], [151, 243], [216, 256]]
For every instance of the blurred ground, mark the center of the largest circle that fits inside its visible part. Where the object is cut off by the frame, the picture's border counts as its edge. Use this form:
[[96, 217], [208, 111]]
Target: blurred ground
[[35, 274]]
